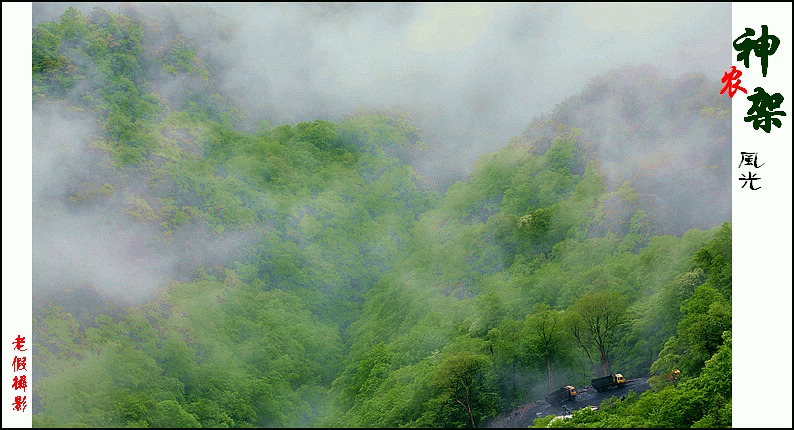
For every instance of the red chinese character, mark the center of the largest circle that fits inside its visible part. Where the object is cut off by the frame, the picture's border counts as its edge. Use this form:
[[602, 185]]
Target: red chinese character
[[731, 86], [19, 363], [20, 403], [20, 382], [19, 342]]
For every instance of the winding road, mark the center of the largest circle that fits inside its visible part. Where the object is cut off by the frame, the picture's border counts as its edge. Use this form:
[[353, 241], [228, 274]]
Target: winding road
[[525, 415]]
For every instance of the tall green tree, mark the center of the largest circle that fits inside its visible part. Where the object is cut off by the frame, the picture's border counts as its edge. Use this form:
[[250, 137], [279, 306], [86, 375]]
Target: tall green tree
[[603, 316], [545, 327], [466, 385], [576, 327]]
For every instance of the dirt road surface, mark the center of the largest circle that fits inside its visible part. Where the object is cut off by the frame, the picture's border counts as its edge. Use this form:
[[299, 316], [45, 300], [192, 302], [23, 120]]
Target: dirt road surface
[[525, 415]]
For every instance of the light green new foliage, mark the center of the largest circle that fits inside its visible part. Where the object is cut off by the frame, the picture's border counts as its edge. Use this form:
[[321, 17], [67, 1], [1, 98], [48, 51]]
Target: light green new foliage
[[343, 290]]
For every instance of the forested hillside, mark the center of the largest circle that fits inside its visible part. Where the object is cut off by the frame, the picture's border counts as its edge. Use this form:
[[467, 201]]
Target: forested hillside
[[305, 275]]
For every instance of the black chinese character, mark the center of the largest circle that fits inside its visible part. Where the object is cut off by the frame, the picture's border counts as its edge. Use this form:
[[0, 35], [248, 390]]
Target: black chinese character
[[750, 159], [750, 178], [763, 47], [761, 112]]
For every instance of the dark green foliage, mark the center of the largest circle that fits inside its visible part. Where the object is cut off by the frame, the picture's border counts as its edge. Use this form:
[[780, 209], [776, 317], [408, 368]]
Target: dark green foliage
[[466, 392], [169, 414], [715, 261], [698, 402]]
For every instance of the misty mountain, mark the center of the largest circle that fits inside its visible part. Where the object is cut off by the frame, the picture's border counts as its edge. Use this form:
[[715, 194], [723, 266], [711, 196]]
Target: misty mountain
[[668, 138], [196, 265], [470, 76]]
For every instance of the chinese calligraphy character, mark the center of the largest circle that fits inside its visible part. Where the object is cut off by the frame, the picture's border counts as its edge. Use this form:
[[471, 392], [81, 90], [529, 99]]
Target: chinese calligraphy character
[[761, 112], [19, 363], [731, 86], [750, 178], [750, 159], [20, 403], [19, 342], [763, 47], [20, 382]]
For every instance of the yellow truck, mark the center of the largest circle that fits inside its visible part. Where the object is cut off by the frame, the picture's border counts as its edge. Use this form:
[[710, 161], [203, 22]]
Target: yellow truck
[[606, 382], [563, 394]]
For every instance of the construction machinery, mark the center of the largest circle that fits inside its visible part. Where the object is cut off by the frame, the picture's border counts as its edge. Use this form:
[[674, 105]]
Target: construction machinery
[[673, 376]]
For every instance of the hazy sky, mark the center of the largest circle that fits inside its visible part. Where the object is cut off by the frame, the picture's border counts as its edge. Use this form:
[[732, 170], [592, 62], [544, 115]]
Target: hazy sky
[[471, 75]]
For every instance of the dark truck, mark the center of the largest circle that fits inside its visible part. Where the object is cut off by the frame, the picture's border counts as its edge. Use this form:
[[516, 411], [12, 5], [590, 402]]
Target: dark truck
[[606, 382], [564, 393]]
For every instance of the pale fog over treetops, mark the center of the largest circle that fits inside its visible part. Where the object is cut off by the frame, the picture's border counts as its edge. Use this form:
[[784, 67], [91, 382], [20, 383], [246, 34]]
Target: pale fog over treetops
[[345, 214]]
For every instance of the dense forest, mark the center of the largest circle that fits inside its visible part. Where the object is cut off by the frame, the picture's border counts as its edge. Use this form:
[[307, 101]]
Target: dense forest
[[322, 282]]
